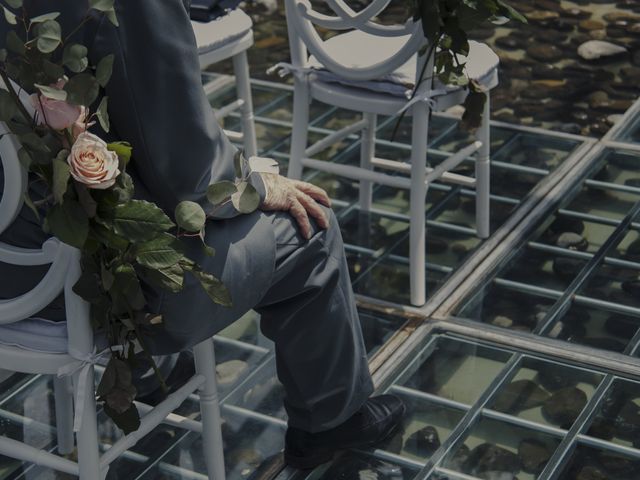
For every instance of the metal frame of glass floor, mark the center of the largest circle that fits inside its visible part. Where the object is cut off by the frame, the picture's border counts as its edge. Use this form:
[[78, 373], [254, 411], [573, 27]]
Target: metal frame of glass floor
[[499, 319]]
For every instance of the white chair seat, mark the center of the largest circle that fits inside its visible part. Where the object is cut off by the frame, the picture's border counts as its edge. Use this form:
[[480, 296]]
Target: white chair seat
[[36, 335], [358, 49], [222, 31]]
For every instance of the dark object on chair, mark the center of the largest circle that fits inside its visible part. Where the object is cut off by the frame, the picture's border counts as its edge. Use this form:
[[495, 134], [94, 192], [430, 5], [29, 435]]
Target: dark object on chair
[[208, 10]]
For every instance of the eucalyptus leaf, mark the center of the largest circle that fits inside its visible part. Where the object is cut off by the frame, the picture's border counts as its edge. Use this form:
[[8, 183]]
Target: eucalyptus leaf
[[3, 54], [190, 216], [218, 192], [246, 199], [104, 70], [103, 114], [214, 288], [14, 43], [8, 107], [69, 223], [34, 142], [102, 5], [51, 92], [61, 175], [139, 220], [238, 162], [52, 70], [162, 252], [75, 57], [111, 15], [82, 89], [49, 36], [25, 158], [14, 3], [45, 17], [9, 16]]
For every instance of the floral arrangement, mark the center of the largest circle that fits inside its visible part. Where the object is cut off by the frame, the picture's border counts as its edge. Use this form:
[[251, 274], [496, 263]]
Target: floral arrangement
[[90, 203], [446, 25]]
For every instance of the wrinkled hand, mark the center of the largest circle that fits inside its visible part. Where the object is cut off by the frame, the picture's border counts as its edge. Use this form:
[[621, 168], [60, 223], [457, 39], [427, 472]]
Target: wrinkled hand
[[300, 199]]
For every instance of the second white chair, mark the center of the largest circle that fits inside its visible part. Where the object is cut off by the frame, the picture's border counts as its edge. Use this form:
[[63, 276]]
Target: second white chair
[[370, 69]]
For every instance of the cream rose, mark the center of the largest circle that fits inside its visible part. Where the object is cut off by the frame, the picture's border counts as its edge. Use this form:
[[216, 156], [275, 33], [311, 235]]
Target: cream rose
[[92, 164]]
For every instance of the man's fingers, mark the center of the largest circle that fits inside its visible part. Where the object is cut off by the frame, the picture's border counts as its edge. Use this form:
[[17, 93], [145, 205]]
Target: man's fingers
[[314, 210], [298, 212], [314, 192]]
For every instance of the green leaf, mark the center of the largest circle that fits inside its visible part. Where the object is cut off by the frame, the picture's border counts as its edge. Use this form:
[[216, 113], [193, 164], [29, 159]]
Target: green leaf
[[238, 161], [51, 92], [3, 54], [162, 252], [111, 15], [140, 221], [104, 70], [190, 216], [474, 107], [510, 12], [52, 70], [8, 107], [106, 277], [34, 142], [14, 3], [9, 16], [128, 421], [246, 199], [49, 36], [25, 158], [169, 278], [103, 114], [14, 43], [127, 285], [88, 288], [215, 288], [32, 206], [75, 57], [108, 380], [83, 89], [101, 5], [221, 191], [86, 200], [45, 17], [61, 174], [109, 238], [69, 223], [123, 150]]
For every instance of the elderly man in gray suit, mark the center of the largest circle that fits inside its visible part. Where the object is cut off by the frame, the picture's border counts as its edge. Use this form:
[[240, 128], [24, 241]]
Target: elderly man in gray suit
[[286, 260]]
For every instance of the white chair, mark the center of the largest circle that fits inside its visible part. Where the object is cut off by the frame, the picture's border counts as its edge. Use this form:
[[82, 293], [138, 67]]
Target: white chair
[[230, 36], [370, 69], [35, 346]]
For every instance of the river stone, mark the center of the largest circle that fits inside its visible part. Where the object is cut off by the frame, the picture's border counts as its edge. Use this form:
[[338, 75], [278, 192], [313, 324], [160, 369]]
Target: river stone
[[545, 52], [576, 13], [555, 378], [564, 406], [502, 321], [541, 15], [491, 458], [616, 16], [509, 42], [229, 372], [566, 224], [572, 241], [534, 455], [618, 465], [627, 421], [621, 325], [520, 395], [604, 343], [632, 287], [595, 49], [588, 25], [602, 427], [424, 442], [591, 473], [567, 268], [459, 458]]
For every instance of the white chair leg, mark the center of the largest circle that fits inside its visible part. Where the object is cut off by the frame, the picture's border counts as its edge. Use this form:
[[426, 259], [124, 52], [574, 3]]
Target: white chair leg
[[483, 173], [299, 133], [243, 86], [367, 152], [418, 196], [210, 409], [88, 450], [63, 395]]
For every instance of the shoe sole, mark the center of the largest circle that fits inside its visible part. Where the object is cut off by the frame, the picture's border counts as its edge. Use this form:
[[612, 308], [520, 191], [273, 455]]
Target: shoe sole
[[311, 462]]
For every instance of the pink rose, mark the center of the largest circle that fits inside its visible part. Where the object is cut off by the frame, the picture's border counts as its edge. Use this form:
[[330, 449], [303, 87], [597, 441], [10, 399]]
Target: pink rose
[[92, 164], [58, 114]]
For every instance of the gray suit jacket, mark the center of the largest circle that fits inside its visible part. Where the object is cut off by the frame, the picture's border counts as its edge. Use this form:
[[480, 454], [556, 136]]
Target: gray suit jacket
[[156, 102]]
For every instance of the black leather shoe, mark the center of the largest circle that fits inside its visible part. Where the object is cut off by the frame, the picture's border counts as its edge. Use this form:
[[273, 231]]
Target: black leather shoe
[[378, 418]]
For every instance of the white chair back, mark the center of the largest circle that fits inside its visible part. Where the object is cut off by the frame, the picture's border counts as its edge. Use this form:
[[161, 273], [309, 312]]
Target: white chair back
[[302, 21], [62, 258]]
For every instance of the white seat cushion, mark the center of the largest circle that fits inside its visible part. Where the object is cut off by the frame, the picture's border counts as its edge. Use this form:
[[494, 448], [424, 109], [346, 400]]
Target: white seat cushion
[[36, 335], [358, 49], [222, 31]]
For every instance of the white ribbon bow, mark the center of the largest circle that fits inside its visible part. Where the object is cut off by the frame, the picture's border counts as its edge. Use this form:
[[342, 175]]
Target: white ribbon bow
[[427, 97], [82, 363], [283, 69]]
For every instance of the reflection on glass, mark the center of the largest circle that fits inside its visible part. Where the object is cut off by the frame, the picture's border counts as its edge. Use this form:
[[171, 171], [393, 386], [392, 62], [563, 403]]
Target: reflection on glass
[[594, 463], [494, 449], [377, 328], [618, 417], [455, 370], [546, 392]]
